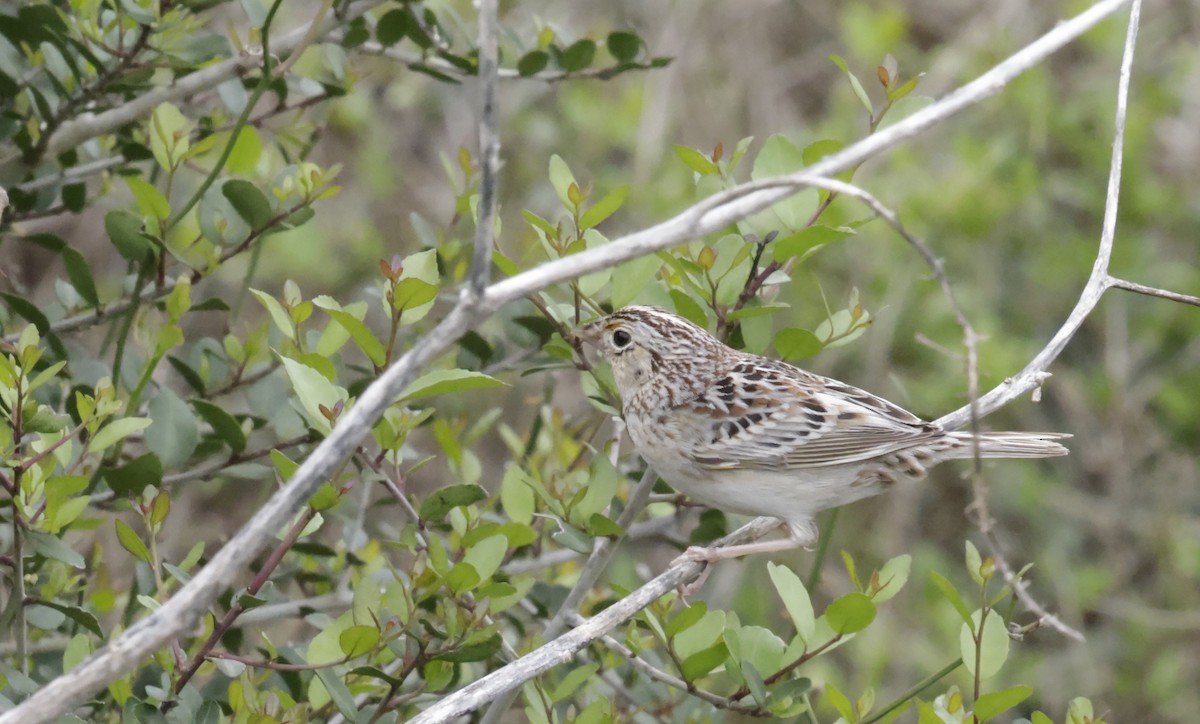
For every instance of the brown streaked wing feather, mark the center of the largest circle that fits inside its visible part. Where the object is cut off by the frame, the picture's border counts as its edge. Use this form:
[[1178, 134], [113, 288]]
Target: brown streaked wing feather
[[766, 414]]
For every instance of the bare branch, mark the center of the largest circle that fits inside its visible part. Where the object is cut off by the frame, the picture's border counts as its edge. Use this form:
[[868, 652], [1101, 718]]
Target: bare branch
[[489, 147], [564, 647], [1129, 286]]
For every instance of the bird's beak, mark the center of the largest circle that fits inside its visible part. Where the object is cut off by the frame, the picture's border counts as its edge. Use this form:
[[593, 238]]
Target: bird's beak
[[591, 332]]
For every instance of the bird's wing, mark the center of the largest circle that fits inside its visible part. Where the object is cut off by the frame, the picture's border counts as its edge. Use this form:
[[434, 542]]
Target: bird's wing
[[766, 414]]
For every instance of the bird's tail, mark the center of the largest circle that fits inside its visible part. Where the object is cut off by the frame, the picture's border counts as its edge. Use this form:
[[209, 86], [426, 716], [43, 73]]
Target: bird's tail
[[1010, 444]]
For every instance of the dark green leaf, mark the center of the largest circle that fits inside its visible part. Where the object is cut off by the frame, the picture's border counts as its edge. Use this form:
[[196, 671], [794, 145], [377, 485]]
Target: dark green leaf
[[436, 506], [74, 197], [28, 311], [532, 63], [125, 231], [250, 203], [623, 46], [133, 477], [578, 56], [376, 673], [440, 382], [80, 275], [392, 27], [702, 662], [225, 426], [472, 652], [188, 374], [84, 618], [341, 696]]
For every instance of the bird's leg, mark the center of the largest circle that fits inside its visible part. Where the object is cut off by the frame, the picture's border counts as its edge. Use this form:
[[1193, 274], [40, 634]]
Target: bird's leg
[[798, 536]]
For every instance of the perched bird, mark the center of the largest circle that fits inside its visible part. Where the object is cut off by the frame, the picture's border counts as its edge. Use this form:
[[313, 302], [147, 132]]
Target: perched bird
[[748, 434]]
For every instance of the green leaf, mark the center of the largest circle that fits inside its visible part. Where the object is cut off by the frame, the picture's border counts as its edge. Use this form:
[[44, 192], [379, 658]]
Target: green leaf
[[249, 203], [358, 640], [630, 279], [174, 434], [561, 179], [80, 275], [850, 613], [84, 618], [412, 293], [115, 431], [362, 336], [338, 692], [696, 161], [994, 644], [818, 150], [532, 63], [702, 662], [974, 563], [859, 91], [131, 542], [313, 390], [436, 506], [600, 488], [225, 426], [132, 478], [440, 382], [573, 681], [486, 555], [780, 157], [686, 618], [1080, 711], [247, 149], [795, 599], [51, 546], [279, 315], [604, 208], [462, 578], [840, 702], [802, 243], [125, 231], [150, 201], [952, 596], [998, 702], [578, 55], [472, 652], [326, 498], [168, 135], [392, 27], [623, 46], [516, 495], [795, 343], [888, 581]]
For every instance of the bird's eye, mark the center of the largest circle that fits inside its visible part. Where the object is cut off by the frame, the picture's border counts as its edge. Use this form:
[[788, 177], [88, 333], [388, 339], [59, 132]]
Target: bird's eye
[[621, 338]]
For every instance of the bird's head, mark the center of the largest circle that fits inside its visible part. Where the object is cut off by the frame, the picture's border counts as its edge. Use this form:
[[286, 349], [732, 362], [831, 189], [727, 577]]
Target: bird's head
[[642, 342]]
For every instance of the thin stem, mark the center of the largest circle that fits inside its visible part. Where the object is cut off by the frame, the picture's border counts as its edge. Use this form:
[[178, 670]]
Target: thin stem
[[237, 608], [913, 691], [814, 575]]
